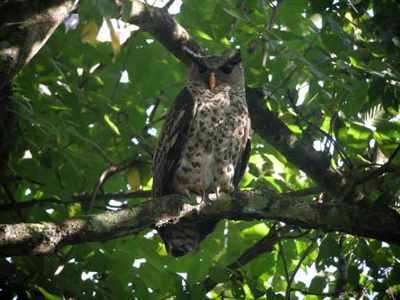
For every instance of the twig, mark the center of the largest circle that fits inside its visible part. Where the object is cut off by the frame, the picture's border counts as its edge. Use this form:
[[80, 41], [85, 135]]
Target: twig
[[342, 274], [168, 5], [268, 27], [142, 143], [156, 104], [338, 147], [336, 144], [124, 63], [304, 192], [147, 126], [266, 244], [296, 269], [297, 236], [9, 179], [393, 155], [285, 268], [152, 114], [352, 6], [80, 198], [107, 173], [387, 167]]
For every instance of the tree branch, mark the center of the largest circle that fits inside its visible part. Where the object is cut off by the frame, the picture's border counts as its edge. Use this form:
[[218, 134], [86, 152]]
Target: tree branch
[[266, 244], [46, 237], [109, 172], [297, 150], [303, 256], [162, 26], [25, 27]]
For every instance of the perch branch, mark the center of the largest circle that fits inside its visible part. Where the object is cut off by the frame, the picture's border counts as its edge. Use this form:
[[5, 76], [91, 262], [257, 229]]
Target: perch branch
[[46, 237]]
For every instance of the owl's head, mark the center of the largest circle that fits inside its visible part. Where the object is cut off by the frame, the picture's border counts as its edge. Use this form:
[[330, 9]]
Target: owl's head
[[212, 71]]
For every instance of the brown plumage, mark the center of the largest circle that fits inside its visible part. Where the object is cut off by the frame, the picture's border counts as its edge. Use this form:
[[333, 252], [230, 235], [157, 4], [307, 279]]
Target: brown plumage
[[204, 144]]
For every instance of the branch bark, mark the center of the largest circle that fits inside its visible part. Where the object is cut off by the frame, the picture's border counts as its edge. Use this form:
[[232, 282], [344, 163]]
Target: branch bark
[[162, 26], [25, 26], [46, 237], [297, 150]]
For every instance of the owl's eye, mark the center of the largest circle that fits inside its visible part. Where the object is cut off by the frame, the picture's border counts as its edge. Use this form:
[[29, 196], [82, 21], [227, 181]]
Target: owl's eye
[[227, 68], [202, 68]]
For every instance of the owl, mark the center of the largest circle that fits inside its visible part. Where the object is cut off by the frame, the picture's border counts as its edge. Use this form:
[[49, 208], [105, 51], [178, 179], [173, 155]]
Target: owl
[[204, 144]]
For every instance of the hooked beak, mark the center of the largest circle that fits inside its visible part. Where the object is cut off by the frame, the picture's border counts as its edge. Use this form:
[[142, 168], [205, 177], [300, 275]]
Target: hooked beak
[[211, 80]]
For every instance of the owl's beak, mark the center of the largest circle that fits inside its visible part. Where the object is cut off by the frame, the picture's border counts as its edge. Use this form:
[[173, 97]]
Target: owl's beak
[[211, 80]]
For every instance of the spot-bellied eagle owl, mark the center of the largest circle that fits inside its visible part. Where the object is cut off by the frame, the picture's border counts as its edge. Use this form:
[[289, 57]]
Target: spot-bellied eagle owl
[[204, 144]]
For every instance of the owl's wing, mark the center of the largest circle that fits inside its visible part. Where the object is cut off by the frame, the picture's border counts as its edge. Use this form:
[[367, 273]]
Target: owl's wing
[[172, 140], [244, 156], [242, 164]]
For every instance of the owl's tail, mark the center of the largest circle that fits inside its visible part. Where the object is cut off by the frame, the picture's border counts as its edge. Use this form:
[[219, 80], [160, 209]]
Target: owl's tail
[[184, 237]]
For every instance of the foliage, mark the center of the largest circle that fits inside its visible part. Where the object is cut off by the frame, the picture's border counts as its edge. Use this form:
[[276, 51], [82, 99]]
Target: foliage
[[326, 66]]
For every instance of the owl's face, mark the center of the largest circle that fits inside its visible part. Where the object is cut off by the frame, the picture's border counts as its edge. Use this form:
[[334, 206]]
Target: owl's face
[[215, 72]]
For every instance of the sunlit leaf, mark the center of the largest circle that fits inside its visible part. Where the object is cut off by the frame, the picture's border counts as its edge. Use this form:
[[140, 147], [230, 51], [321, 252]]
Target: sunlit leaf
[[134, 178], [112, 125], [115, 42], [89, 33], [203, 35]]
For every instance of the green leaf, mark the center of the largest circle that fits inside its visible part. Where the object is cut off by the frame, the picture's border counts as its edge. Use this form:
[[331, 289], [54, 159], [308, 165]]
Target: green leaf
[[317, 285], [353, 276], [48, 295], [112, 125], [328, 250], [203, 35], [219, 274], [290, 13], [234, 13]]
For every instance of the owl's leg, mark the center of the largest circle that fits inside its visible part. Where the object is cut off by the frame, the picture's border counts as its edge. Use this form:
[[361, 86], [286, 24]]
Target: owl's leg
[[218, 192]]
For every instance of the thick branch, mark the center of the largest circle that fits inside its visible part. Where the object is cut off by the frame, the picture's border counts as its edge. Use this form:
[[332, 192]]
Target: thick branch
[[298, 151], [46, 237], [162, 26], [25, 26]]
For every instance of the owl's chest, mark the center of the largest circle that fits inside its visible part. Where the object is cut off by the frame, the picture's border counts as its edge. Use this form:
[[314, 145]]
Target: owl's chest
[[216, 122], [215, 140]]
